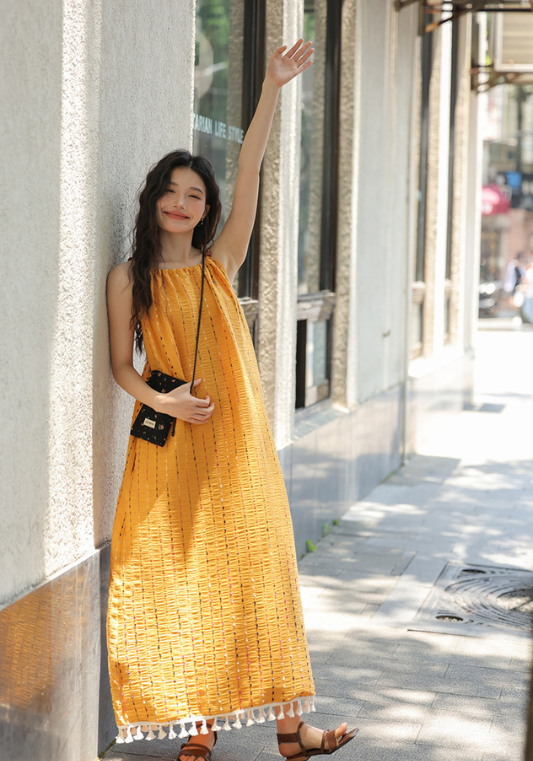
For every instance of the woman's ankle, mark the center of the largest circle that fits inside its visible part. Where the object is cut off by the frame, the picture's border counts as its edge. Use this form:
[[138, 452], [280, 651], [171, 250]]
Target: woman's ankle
[[289, 724]]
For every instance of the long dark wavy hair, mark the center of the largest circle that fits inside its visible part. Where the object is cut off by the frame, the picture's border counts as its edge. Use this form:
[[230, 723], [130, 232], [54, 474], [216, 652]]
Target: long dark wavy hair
[[146, 248]]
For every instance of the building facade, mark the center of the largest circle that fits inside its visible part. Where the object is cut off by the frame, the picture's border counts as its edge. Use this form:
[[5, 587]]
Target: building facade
[[360, 286]]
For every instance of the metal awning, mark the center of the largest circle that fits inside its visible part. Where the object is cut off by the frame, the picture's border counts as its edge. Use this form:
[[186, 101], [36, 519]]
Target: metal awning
[[510, 36], [447, 10]]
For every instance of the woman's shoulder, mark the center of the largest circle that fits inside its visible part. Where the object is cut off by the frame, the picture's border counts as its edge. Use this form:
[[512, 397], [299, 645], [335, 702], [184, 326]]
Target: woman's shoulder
[[120, 276]]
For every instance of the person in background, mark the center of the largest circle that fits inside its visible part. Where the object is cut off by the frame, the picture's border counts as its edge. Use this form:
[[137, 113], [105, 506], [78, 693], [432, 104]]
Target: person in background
[[513, 277], [526, 310]]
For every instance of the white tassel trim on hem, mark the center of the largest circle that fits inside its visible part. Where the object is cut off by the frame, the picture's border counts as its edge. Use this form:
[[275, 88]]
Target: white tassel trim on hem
[[131, 732]]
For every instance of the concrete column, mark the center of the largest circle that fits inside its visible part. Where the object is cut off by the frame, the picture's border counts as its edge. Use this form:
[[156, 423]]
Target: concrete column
[[460, 185], [344, 353], [473, 196], [279, 235], [437, 193]]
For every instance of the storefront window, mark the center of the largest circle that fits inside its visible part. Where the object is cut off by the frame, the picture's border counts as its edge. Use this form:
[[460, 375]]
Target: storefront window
[[311, 152], [229, 70], [218, 108]]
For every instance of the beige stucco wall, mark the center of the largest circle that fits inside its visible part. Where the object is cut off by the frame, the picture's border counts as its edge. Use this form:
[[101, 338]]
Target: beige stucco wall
[[94, 92]]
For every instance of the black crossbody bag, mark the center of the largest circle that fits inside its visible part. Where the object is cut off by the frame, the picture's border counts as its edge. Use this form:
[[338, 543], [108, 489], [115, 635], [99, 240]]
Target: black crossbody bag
[[154, 426]]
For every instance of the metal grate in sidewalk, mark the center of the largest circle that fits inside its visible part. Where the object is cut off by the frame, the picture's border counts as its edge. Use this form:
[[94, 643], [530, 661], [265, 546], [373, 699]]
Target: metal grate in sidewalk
[[470, 597]]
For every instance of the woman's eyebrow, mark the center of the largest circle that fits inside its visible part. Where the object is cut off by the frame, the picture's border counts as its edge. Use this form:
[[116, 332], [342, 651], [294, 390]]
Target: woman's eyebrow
[[191, 188]]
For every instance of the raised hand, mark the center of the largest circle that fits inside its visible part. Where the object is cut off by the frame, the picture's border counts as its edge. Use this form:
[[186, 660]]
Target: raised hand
[[284, 67], [232, 244]]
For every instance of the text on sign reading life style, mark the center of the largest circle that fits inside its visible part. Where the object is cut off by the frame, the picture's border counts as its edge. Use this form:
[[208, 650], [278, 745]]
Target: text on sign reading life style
[[218, 129]]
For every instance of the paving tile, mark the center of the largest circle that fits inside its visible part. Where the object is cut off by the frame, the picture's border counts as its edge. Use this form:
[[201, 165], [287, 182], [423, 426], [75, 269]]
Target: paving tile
[[450, 730], [520, 664], [267, 756], [402, 604], [334, 688], [434, 684], [493, 661], [327, 600], [316, 621], [366, 643], [369, 610], [339, 674], [511, 749], [401, 664], [433, 642], [502, 645], [338, 705], [398, 705], [514, 753], [507, 727], [424, 569], [116, 755], [496, 677], [392, 731], [480, 708], [516, 693], [377, 750]]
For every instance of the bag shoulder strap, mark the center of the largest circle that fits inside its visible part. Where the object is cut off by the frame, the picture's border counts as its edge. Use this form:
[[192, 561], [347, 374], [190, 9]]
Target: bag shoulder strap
[[204, 254]]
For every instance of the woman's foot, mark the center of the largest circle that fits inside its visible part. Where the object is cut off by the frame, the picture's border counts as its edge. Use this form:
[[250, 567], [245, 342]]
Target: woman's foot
[[311, 736], [206, 741]]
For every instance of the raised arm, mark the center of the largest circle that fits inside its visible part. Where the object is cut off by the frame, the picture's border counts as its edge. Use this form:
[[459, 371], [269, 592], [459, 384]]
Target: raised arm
[[231, 245]]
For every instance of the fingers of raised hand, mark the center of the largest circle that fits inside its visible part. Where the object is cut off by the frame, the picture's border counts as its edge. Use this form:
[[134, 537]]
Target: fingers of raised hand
[[300, 53], [290, 53], [307, 51]]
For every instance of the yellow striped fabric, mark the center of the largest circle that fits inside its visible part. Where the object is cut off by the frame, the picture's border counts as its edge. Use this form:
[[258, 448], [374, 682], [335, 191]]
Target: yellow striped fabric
[[204, 617]]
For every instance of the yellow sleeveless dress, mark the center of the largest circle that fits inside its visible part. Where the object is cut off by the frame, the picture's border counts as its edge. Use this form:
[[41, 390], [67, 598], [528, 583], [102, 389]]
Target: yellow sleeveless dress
[[204, 617]]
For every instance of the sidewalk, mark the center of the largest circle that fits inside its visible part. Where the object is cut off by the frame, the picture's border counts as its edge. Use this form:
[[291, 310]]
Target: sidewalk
[[422, 688]]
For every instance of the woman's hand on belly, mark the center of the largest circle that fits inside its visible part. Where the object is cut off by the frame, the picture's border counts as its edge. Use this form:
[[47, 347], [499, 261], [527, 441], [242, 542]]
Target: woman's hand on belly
[[180, 403]]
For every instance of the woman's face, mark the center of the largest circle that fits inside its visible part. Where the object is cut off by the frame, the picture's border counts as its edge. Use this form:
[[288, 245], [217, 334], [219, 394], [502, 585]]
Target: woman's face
[[183, 204]]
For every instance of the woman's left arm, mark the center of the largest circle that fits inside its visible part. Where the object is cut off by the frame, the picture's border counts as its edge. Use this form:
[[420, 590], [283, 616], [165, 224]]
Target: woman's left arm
[[231, 245]]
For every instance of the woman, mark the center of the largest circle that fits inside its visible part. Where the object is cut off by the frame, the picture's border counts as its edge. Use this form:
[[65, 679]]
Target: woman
[[204, 620]]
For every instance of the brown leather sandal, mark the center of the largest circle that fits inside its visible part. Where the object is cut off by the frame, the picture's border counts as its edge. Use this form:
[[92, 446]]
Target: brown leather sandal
[[194, 749], [330, 743]]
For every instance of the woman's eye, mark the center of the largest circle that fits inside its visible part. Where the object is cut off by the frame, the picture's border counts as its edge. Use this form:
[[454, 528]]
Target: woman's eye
[[197, 197], [170, 190]]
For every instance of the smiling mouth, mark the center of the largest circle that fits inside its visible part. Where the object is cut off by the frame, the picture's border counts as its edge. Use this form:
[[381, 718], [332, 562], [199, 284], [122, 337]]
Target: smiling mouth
[[176, 216]]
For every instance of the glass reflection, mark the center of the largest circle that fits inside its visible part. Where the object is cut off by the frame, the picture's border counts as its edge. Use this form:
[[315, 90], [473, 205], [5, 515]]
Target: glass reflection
[[317, 357], [312, 150], [37, 656], [218, 132]]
